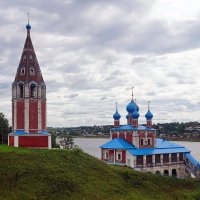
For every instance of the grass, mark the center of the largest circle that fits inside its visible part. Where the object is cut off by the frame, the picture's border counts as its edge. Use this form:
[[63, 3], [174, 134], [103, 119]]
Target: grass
[[28, 174]]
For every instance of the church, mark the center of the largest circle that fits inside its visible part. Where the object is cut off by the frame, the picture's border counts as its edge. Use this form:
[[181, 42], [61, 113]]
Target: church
[[29, 102], [138, 147]]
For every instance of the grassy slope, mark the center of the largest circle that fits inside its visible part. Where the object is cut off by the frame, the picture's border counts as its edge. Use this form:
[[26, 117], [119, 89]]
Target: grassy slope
[[61, 174]]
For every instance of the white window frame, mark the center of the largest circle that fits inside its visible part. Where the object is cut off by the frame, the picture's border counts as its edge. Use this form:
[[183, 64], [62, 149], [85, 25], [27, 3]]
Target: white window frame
[[117, 154]]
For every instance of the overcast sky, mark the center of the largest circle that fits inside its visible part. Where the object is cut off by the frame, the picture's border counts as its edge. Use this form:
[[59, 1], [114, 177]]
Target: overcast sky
[[92, 52]]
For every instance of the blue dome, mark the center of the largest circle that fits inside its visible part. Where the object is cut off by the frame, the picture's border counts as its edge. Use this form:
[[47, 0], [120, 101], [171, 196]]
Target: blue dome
[[116, 116], [135, 114], [28, 26], [149, 115], [131, 107], [127, 116]]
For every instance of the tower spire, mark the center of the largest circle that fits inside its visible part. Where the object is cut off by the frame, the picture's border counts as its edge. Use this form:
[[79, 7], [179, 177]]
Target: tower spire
[[132, 91], [148, 102], [116, 106]]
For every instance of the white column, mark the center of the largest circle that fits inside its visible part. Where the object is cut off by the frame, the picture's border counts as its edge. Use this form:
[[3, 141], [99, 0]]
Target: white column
[[26, 115], [161, 159], [153, 159], [49, 142], [114, 156], [16, 141], [39, 116]]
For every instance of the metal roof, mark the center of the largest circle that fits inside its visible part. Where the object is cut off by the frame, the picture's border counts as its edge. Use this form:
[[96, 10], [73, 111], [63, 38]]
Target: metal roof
[[130, 127], [192, 160], [117, 143], [163, 146]]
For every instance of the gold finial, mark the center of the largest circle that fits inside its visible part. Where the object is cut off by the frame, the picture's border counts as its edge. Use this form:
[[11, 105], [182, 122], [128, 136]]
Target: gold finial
[[149, 105], [116, 105]]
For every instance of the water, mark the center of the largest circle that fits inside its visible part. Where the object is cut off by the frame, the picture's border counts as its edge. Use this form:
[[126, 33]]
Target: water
[[91, 146]]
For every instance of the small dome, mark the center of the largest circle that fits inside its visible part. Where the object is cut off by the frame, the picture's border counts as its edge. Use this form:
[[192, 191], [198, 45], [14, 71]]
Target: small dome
[[116, 116], [135, 114], [149, 115], [28, 26], [131, 107]]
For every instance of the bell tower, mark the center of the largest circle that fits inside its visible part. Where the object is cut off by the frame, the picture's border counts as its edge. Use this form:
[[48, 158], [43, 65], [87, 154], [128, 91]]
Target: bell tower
[[29, 99]]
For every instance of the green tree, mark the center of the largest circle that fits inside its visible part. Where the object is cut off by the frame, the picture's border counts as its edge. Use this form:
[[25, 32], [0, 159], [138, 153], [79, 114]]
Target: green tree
[[66, 141], [4, 129]]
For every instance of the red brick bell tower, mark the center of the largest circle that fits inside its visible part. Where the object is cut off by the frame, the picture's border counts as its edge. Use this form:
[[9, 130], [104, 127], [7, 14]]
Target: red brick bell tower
[[29, 102]]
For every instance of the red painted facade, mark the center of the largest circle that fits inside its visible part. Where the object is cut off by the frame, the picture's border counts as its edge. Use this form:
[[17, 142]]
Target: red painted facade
[[33, 116], [11, 141], [114, 135], [43, 115], [33, 141], [129, 137], [20, 115]]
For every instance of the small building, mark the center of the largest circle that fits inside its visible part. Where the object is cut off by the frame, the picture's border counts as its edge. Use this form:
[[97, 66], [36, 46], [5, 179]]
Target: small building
[[29, 102], [138, 147]]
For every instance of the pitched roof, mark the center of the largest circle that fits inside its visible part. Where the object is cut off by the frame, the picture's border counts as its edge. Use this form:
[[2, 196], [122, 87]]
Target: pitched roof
[[29, 61], [117, 143], [163, 146]]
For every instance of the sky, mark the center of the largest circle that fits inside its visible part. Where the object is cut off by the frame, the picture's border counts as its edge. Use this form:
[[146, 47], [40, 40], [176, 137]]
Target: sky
[[92, 52]]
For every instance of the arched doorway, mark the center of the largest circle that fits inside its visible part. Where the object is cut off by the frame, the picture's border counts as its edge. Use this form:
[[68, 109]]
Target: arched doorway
[[174, 173], [166, 173]]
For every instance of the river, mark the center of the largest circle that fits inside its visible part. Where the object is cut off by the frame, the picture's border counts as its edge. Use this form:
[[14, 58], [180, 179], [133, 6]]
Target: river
[[91, 146]]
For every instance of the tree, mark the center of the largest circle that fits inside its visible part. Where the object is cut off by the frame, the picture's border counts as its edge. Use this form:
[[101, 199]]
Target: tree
[[66, 141], [4, 129]]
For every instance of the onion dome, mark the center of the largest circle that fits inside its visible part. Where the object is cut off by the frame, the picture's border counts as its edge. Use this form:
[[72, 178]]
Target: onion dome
[[137, 107], [28, 26], [116, 116], [149, 115], [131, 107], [135, 114]]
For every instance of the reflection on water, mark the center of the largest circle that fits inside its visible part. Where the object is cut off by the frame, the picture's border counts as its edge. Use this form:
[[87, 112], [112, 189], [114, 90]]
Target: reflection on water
[[91, 146]]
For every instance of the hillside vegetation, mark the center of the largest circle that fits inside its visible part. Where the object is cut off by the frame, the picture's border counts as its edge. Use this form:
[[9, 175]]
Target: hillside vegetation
[[71, 174]]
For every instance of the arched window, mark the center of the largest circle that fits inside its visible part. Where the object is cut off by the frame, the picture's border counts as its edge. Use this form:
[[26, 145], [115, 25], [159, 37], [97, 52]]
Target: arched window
[[22, 71], [33, 90], [158, 172], [43, 92], [174, 173], [30, 57], [21, 90], [166, 173], [32, 71], [24, 57]]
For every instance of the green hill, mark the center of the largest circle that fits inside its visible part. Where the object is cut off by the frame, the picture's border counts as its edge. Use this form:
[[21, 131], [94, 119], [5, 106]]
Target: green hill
[[71, 174]]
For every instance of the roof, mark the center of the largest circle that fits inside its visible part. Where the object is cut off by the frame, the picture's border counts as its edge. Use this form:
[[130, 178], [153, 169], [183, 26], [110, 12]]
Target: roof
[[28, 62], [163, 146], [130, 127], [117, 143], [192, 160]]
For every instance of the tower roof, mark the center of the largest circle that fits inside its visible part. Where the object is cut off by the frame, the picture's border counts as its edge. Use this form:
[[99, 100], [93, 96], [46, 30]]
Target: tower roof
[[28, 69]]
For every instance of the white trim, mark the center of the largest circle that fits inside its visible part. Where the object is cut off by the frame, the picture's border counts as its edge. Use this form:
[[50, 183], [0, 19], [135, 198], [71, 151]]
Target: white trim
[[26, 115], [39, 116], [119, 152], [16, 141], [49, 142]]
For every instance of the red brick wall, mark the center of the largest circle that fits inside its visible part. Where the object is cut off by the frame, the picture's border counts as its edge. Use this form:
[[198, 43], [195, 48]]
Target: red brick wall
[[11, 141], [122, 135], [114, 135], [33, 141], [129, 137], [33, 116], [12, 115], [20, 115]]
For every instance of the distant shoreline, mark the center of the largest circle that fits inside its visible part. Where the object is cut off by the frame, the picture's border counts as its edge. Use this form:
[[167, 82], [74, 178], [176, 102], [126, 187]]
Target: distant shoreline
[[167, 138]]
